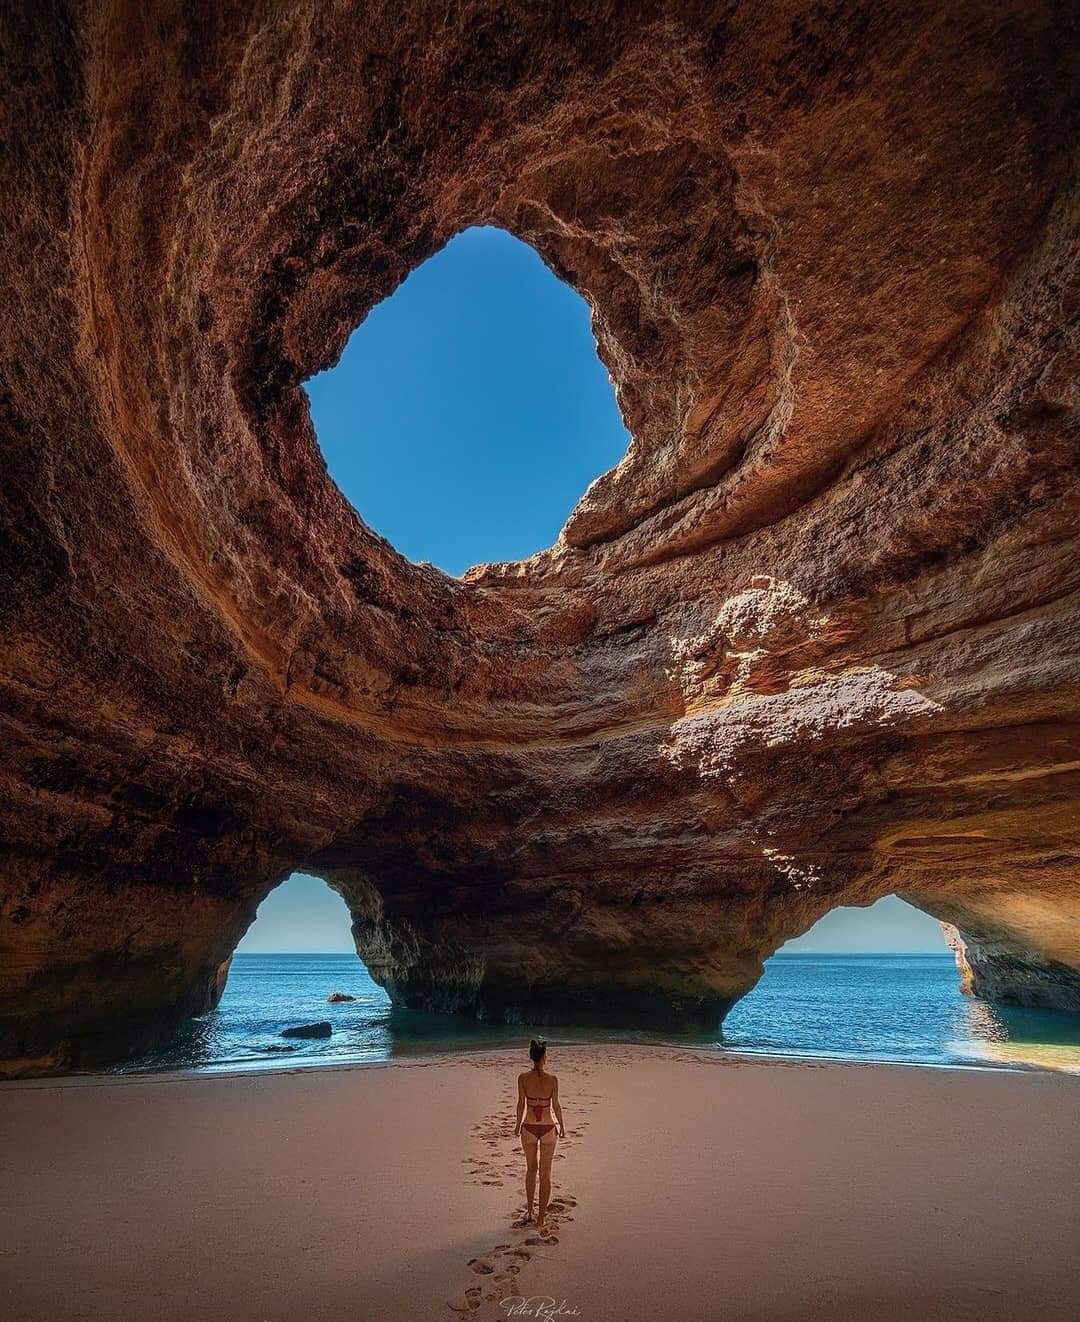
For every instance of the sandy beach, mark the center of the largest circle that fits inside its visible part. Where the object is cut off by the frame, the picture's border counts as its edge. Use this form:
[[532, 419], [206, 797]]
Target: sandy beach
[[689, 1186]]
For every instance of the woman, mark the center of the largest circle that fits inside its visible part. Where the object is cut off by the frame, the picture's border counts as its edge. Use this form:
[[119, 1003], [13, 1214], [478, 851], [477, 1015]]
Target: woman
[[540, 1092]]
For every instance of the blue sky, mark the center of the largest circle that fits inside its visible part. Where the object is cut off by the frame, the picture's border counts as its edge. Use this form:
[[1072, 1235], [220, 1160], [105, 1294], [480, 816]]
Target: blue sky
[[303, 914], [467, 415], [469, 411]]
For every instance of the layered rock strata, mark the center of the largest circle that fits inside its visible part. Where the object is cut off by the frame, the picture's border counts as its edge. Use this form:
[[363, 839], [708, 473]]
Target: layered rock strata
[[813, 641]]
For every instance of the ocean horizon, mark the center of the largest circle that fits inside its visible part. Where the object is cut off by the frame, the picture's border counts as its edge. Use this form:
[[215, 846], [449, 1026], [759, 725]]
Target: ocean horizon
[[853, 1006]]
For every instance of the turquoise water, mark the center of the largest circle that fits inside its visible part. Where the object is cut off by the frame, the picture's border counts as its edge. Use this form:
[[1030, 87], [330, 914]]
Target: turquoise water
[[854, 1007]]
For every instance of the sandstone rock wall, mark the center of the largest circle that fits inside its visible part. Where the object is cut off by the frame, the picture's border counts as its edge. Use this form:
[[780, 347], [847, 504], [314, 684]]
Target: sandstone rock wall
[[813, 641]]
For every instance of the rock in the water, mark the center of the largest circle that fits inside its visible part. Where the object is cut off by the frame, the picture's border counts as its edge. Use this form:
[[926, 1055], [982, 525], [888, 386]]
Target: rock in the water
[[309, 1030], [335, 998]]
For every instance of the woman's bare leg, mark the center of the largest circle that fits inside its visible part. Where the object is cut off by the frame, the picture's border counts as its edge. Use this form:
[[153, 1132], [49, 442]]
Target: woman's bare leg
[[530, 1144], [547, 1153]]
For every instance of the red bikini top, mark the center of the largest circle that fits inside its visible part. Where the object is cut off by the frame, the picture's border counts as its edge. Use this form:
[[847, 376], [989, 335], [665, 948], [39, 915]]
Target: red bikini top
[[538, 1101]]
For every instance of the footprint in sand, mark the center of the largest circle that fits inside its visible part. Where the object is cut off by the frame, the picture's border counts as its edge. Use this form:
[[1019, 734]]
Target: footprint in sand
[[470, 1303], [481, 1266], [516, 1253]]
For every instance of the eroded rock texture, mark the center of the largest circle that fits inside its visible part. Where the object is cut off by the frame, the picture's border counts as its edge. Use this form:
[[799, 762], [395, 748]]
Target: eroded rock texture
[[813, 641]]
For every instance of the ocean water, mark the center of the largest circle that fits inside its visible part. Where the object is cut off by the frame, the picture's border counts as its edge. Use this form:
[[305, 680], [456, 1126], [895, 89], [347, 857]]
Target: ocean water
[[904, 1008]]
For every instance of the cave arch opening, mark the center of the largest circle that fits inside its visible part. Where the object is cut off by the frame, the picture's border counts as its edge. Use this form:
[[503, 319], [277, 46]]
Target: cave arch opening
[[469, 411], [867, 982], [295, 967], [881, 982]]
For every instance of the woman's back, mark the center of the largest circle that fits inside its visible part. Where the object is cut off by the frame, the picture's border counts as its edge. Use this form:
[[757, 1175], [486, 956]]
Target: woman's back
[[538, 1086], [539, 1089]]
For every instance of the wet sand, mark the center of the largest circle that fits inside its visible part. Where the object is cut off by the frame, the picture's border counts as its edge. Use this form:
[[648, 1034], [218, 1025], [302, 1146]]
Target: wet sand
[[690, 1186]]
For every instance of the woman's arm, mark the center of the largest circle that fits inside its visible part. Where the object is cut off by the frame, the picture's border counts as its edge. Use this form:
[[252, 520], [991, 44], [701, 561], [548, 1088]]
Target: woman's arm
[[557, 1108], [520, 1106]]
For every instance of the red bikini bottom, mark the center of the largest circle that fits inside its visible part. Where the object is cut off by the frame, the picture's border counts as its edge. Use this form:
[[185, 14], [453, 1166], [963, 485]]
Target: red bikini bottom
[[537, 1130]]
